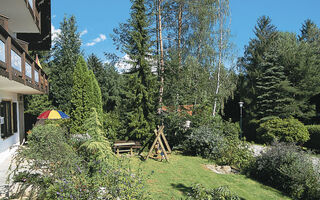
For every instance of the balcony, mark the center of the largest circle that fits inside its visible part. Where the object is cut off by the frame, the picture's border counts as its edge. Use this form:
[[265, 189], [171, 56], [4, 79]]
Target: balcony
[[19, 73], [23, 16]]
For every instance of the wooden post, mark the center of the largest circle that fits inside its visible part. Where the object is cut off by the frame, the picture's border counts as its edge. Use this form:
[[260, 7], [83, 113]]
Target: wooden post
[[32, 74], [158, 139], [131, 151], [8, 57], [165, 139], [23, 66], [154, 143], [39, 76], [118, 153]]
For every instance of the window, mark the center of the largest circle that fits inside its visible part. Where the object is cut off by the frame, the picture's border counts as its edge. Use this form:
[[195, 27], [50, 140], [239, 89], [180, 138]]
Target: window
[[28, 70], [5, 111], [36, 76], [15, 61], [15, 117], [2, 51]]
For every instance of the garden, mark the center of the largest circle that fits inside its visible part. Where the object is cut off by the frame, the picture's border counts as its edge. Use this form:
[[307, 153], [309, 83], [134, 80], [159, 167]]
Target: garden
[[186, 88]]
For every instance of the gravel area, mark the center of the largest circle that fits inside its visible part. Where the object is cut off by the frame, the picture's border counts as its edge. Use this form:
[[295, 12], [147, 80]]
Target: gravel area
[[257, 149]]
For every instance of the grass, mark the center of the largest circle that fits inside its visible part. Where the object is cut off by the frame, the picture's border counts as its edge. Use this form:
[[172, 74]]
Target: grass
[[174, 180]]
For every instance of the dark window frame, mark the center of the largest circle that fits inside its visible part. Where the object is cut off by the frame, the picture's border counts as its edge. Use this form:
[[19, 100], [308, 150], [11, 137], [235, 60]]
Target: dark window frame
[[7, 127], [15, 116]]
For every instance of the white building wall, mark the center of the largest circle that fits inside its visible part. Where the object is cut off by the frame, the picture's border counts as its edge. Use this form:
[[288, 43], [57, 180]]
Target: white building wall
[[6, 143]]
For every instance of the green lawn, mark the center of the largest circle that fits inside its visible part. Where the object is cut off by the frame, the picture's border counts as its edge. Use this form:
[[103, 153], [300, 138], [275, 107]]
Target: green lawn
[[173, 180]]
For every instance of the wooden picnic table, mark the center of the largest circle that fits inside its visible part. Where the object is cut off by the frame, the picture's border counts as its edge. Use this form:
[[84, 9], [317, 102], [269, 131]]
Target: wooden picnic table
[[121, 146]]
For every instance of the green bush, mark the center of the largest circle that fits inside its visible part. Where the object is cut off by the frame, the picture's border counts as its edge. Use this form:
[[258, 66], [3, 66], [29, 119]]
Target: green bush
[[314, 141], [54, 169], [219, 142], [289, 169], [201, 193], [283, 130]]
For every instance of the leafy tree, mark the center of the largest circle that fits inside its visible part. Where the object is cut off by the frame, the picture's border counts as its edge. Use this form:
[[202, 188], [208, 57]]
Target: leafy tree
[[66, 51]]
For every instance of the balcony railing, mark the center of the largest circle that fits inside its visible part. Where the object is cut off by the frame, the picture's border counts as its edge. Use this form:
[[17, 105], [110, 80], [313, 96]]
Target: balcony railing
[[16, 64], [31, 5]]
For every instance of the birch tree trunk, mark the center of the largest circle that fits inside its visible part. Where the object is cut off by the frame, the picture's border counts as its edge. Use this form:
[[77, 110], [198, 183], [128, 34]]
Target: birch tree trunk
[[161, 58], [221, 22], [179, 32]]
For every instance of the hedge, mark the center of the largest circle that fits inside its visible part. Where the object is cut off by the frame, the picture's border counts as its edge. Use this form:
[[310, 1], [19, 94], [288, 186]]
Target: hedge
[[314, 142]]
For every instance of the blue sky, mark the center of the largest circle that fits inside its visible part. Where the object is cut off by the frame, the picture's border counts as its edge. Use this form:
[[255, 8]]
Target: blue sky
[[97, 18]]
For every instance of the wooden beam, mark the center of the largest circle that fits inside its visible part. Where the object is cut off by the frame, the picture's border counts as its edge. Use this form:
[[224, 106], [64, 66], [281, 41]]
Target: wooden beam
[[153, 144], [165, 139], [8, 57]]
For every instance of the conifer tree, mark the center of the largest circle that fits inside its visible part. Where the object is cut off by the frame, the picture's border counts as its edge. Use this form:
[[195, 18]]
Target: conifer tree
[[66, 51], [77, 100], [86, 95], [140, 89], [98, 147], [273, 88], [96, 94]]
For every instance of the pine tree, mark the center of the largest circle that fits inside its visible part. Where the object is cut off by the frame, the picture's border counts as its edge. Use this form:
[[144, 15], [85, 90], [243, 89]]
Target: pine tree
[[140, 102], [266, 35], [66, 51], [273, 88]]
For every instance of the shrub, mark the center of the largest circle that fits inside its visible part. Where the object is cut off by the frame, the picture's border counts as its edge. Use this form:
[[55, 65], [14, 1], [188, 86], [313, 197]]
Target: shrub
[[175, 131], [219, 142], [289, 169], [47, 158], [314, 142], [283, 130], [200, 193], [53, 169]]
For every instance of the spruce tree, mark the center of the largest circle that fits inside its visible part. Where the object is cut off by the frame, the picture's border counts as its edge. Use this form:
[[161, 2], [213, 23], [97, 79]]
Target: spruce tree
[[273, 88], [140, 87], [266, 35], [66, 51]]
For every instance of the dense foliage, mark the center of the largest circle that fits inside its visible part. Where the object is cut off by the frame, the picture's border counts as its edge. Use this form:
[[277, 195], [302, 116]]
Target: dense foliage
[[65, 54], [220, 142], [289, 169], [87, 169], [139, 97], [279, 74], [314, 141], [201, 193], [283, 130]]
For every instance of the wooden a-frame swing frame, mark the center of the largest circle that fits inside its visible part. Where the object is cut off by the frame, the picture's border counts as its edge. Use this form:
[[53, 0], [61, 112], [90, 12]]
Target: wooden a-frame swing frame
[[159, 137]]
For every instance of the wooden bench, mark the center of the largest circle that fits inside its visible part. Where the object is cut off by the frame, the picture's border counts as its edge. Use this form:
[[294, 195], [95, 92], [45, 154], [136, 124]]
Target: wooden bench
[[126, 146]]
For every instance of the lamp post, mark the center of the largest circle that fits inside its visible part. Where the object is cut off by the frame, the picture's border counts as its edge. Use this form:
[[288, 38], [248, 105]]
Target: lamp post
[[240, 122]]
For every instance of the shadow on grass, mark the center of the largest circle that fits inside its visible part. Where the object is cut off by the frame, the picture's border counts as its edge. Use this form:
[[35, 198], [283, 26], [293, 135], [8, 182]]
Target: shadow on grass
[[182, 188]]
